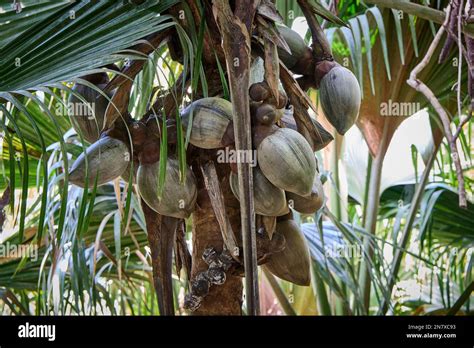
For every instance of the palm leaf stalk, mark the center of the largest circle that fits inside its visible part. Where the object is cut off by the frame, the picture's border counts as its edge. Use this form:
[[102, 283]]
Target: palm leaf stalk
[[235, 29]]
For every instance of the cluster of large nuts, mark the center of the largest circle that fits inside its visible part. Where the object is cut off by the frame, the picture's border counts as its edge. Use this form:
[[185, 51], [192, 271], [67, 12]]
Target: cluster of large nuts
[[127, 144], [285, 175], [339, 90]]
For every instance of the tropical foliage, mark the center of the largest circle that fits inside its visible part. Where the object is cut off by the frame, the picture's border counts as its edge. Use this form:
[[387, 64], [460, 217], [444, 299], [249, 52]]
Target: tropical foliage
[[389, 195]]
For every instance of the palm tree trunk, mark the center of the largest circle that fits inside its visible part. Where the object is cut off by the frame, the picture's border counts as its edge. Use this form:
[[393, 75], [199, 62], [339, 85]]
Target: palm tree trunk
[[225, 299], [371, 217]]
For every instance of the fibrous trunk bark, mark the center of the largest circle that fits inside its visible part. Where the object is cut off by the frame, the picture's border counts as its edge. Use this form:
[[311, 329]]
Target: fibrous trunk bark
[[224, 299]]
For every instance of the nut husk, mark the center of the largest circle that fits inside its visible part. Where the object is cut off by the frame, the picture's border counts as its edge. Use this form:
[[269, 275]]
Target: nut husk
[[260, 91], [287, 161], [178, 199], [265, 114], [298, 47], [269, 200], [293, 262], [107, 158], [310, 204], [85, 119], [340, 98], [211, 117]]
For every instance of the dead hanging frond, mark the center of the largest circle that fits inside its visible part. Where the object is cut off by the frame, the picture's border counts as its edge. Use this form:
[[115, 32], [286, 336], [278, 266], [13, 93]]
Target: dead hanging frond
[[182, 255], [216, 197], [235, 28], [320, 45], [301, 103]]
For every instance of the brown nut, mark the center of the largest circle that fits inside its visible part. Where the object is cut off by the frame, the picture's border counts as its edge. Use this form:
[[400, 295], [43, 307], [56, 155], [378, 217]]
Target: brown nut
[[150, 152], [265, 114], [138, 133], [259, 91]]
